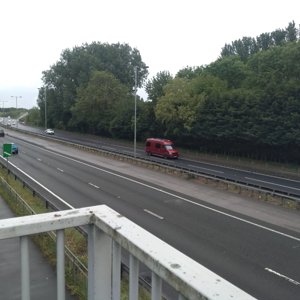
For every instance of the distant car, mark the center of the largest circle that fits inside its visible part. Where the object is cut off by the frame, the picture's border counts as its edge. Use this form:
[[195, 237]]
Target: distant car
[[2, 132], [14, 149], [49, 131]]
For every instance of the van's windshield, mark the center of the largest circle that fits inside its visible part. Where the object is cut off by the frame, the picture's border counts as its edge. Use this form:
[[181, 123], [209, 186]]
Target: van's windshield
[[169, 147]]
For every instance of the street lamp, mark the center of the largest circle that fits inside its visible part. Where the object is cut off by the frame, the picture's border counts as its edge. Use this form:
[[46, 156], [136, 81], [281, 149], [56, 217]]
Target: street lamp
[[3, 104], [135, 91], [16, 103], [16, 100], [45, 108]]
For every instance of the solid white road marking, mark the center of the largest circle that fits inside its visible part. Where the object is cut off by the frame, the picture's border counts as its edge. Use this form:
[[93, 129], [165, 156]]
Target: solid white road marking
[[173, 195], [207, 169], [283, 276], [95, 186], [153, 214], [292, 188], [46, 189]]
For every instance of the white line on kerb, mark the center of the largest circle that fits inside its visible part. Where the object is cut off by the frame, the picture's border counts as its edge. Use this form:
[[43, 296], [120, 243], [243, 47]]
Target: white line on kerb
[[153, 214], [283, 276], [207, 169], [108, 148], [290, 187], [94, 185]]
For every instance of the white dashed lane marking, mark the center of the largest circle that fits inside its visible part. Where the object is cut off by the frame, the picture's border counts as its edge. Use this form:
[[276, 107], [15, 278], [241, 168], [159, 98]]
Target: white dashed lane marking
[[283, 276], [153, 214], [94, 185]]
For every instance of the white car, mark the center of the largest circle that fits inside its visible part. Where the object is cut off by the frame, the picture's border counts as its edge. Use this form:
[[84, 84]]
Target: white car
[[49, 131]]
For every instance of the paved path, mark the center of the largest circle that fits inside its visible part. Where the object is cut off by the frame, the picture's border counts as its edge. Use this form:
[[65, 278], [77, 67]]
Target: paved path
[[42, 275]]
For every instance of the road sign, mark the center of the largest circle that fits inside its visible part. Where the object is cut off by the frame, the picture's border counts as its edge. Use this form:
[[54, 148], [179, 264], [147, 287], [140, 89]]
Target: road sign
[[7, 150]]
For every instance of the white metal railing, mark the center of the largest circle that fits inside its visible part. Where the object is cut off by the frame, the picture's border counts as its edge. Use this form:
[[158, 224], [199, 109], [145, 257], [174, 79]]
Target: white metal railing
[[109, 233]]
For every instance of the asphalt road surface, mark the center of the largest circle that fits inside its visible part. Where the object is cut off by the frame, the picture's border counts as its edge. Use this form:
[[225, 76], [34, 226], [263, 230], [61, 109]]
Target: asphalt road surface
[[275, 184], [254, 245]]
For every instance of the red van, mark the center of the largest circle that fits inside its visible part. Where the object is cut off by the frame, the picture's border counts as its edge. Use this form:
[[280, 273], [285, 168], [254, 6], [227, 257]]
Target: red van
[[161, 147]]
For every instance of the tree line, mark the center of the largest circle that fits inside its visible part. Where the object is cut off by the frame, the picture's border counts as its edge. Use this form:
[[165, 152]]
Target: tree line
[[245, 103]]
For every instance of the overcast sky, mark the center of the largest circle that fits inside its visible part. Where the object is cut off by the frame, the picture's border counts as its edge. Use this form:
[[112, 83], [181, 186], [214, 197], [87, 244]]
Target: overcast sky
[[170, 34]]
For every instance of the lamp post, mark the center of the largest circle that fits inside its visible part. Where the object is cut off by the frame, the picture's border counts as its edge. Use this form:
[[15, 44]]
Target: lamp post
[[17, 104], [16, 100], [135, 91], [3, 104], [45, 107]]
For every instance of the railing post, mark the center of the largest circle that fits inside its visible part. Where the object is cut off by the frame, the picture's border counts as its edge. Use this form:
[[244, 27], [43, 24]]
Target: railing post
[[156, 283], [99, 264], [116, 287], [25, 273], [60, 264], [133, 278]]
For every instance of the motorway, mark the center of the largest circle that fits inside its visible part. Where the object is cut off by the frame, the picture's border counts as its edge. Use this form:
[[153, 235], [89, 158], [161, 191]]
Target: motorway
[[259, 256], [273, 184]]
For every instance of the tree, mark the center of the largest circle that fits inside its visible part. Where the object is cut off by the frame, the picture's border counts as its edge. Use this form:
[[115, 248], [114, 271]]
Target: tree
[[279, 37], [154, 87], [249, 46], [33, 117], [98, 102], [122, 124], [177, 108], [190, 72], [227, 50], [243, 48], [230, 69], [291, 32], [76, 66], [264, 41]]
